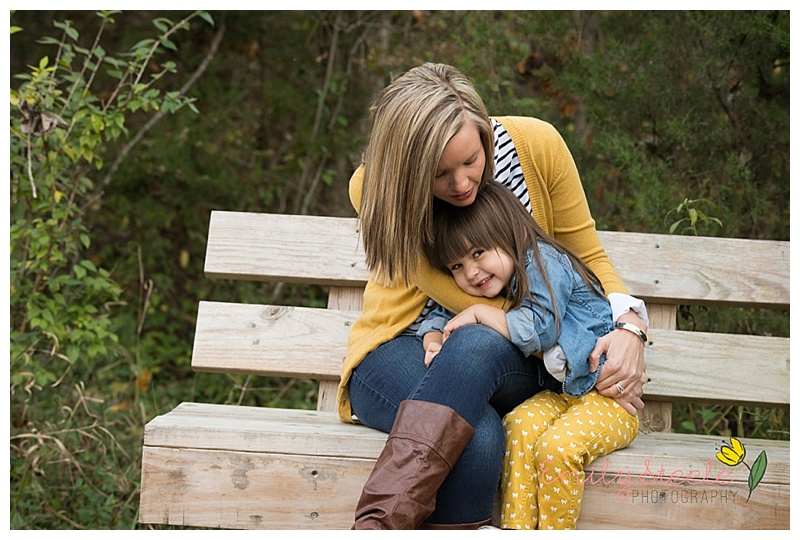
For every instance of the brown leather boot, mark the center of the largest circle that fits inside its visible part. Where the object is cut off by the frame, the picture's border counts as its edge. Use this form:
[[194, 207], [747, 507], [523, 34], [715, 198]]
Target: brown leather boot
[[424, 444]]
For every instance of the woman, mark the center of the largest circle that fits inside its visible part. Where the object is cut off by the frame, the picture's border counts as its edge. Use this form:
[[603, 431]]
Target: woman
[[431, 137]]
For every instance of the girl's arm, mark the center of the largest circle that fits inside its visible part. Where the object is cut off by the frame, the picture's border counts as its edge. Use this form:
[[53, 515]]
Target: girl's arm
[[493, 317]]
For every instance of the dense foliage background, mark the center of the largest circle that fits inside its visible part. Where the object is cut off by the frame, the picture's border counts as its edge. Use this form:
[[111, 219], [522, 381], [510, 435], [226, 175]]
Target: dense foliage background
[[127, 129]]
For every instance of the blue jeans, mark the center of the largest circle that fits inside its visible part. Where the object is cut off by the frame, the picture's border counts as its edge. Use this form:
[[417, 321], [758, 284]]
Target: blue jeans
[[479, 374]]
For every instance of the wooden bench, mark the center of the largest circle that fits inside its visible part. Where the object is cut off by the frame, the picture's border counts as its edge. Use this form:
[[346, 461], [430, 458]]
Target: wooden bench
[[237, 467]]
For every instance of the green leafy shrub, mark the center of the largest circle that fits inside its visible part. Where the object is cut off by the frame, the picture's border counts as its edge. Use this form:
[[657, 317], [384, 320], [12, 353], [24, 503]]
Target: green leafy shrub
[[63, 341]]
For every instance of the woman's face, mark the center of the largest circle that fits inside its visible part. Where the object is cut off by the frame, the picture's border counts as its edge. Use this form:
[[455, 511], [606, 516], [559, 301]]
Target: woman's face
[[460, 168]]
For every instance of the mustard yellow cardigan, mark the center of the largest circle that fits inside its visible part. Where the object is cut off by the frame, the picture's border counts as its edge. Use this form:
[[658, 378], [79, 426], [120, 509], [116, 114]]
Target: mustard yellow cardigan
[[559, 206]]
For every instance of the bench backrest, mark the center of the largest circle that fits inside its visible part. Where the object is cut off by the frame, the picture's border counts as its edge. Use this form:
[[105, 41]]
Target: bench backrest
[[666, 271]]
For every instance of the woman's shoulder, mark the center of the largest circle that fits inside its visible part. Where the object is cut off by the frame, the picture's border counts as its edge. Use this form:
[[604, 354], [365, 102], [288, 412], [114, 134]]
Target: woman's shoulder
[[356, 187], [526, 125], [535, 138]]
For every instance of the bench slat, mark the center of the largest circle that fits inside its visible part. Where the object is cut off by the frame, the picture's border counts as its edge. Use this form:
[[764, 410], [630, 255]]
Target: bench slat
[[277, 247], [701, 270], [312, 343], [279, 341], [718, 368], [260, 429], [264, 479], [327, 251]]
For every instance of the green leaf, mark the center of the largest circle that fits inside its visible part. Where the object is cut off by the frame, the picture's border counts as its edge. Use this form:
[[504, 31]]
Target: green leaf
[[162, 24], [757, 472], [692, 216], [206, 16]]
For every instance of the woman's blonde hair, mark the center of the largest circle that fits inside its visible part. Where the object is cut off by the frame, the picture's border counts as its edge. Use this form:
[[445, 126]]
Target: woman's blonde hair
[[413, 118], [497, 219]]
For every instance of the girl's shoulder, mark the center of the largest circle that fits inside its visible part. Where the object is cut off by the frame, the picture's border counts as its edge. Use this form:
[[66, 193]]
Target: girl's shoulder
[[551, 257], [549, 251]]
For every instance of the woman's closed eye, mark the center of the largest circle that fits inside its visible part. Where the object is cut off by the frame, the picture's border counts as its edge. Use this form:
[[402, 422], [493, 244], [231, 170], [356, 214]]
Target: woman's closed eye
[[468, 163]]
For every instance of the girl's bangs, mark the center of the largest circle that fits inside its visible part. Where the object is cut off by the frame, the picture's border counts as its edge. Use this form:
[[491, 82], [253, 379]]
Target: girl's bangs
[[461, 234]]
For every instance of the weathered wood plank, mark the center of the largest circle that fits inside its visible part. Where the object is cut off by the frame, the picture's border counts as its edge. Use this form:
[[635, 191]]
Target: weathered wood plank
[[256, 429], [685, 507], [241, 490], [312, 343], [276, 247], [678, 269], [271, 340], [276, 431], [262, 491], [265, 479], [701, 270], [718, 368]]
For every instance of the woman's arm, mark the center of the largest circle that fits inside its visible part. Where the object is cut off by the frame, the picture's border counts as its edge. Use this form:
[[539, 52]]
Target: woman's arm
[[559, 205]]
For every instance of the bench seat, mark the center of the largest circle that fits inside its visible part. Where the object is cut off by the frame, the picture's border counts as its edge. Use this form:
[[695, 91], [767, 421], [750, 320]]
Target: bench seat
[[299, 469]]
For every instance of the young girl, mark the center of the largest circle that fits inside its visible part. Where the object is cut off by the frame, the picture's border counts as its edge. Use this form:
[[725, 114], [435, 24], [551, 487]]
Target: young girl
[[555, 307]]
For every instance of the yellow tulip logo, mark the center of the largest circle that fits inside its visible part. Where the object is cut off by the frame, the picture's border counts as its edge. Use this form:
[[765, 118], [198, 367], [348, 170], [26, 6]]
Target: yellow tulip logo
[[731, 454]]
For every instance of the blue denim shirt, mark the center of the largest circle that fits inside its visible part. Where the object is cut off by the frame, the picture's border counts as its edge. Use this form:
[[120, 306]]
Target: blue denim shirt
[[584, 317]]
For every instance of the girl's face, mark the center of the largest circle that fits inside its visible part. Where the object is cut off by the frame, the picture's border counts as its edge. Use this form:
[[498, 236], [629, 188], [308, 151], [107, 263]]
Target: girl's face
[[459, 171], [483, 272]]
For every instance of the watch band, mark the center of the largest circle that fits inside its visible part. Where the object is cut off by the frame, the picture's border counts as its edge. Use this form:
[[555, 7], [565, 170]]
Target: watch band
[[632, 328]]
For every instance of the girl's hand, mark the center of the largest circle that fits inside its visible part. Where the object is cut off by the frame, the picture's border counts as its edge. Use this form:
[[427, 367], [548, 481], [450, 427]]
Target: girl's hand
[[433, 348], [624, 365], [494, 318], [464, 318]]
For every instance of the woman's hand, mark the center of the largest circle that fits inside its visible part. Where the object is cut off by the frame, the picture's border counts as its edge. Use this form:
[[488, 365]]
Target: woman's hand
[[624, 365]]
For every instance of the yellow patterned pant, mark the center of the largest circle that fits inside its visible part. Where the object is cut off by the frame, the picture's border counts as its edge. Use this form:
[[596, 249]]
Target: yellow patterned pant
[[550, 439]]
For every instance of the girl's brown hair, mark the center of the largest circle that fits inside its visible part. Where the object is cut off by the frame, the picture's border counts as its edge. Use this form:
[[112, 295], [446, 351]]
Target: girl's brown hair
[[413, 118], [497, 219]]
